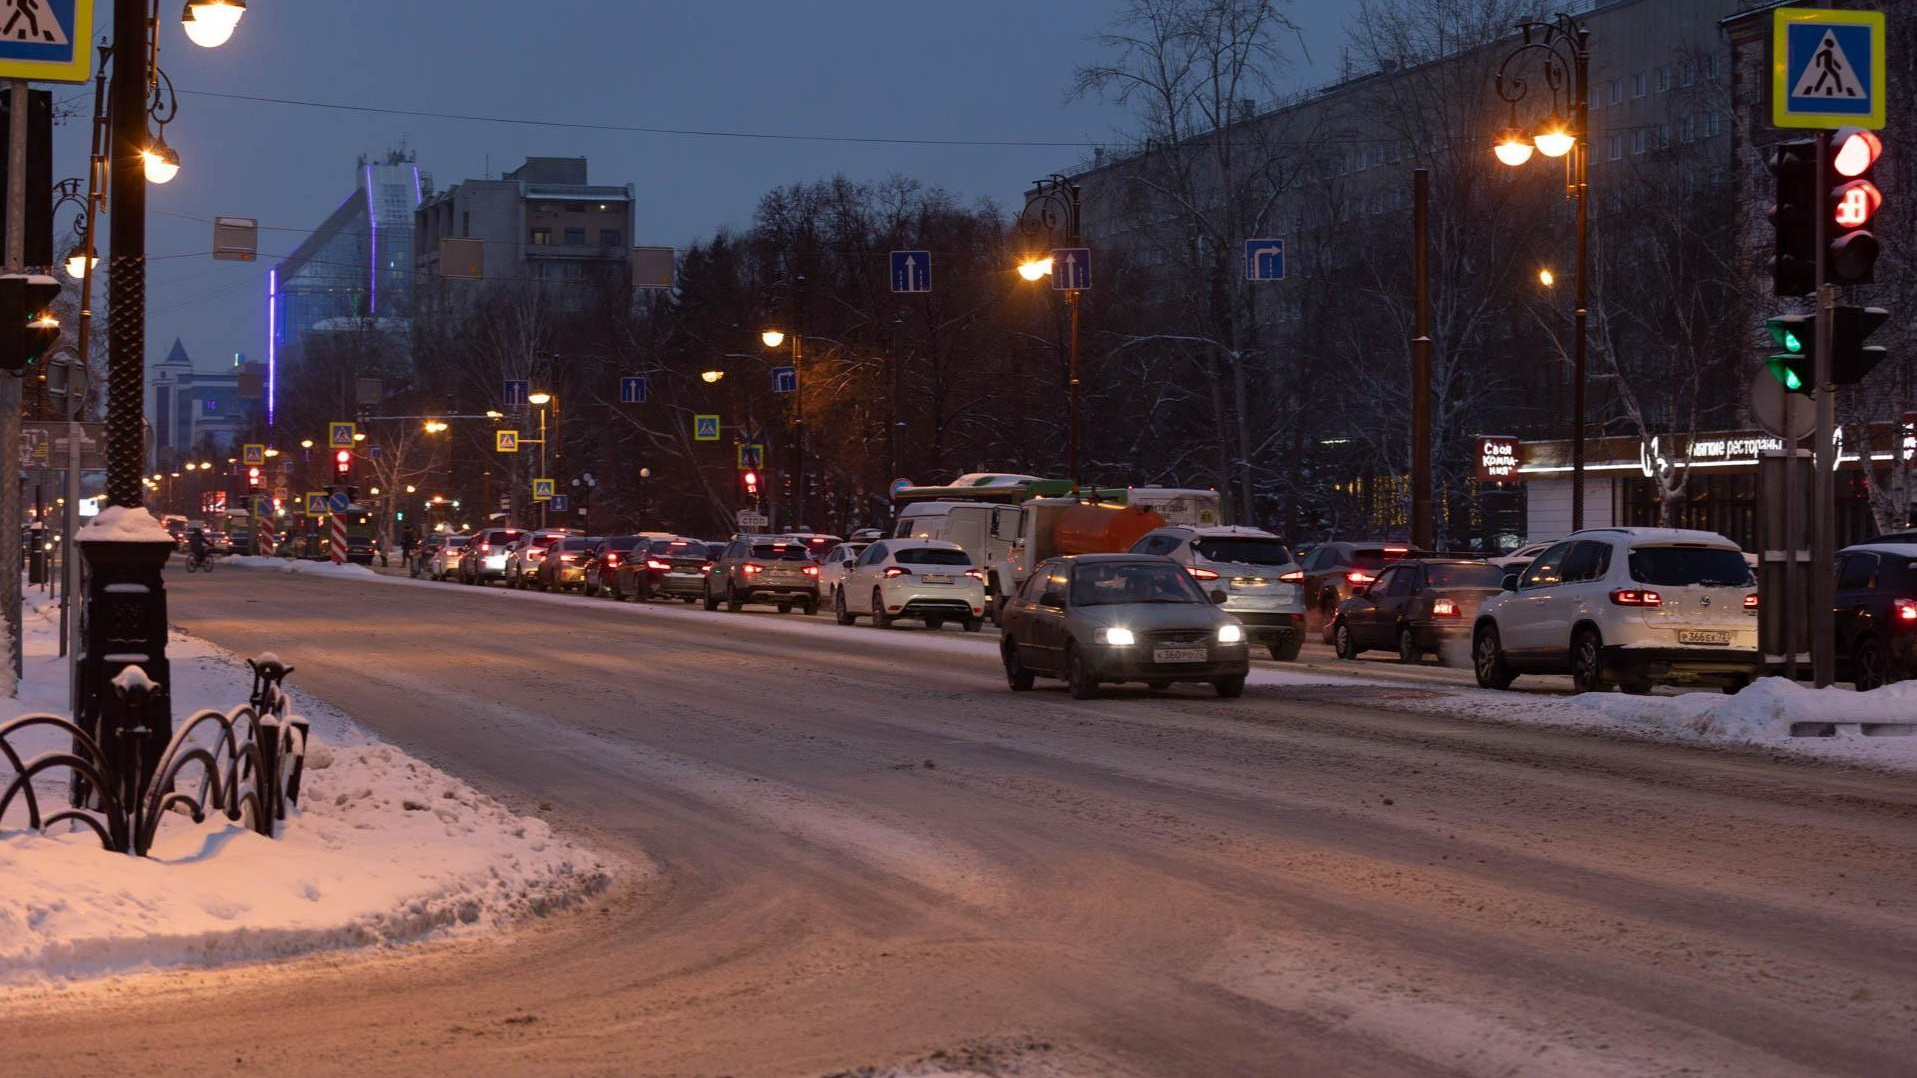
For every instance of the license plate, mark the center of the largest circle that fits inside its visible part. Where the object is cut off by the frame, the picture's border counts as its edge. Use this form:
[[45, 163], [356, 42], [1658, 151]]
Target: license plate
[[938, 578], [1701, 636], [1179, 655]]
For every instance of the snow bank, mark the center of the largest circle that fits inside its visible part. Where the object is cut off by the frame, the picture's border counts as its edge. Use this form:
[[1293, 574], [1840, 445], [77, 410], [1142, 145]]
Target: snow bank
[[124, 524], [385, 849], [1763, 713], [296, 565]]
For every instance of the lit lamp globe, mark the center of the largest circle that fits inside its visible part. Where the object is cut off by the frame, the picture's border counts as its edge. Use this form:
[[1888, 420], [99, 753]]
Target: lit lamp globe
[[78, 263], [1035, 268], [209, 23], [539, 399], [773, 338], [709, 377], [1554, 139], [1512, 148], [161, 161]]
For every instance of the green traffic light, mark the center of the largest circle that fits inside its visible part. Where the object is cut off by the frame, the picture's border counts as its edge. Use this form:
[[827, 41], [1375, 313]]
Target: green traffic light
[[1792, 344]]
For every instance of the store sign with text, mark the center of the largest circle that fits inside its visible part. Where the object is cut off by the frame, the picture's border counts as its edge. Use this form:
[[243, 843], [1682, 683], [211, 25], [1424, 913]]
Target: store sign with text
[[1497, 457]]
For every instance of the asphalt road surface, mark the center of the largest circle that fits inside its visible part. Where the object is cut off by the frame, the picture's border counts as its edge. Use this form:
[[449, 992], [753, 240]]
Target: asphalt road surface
[[863, 850]]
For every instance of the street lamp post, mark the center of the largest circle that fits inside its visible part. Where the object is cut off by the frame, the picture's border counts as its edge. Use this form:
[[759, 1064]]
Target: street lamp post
[[541, 401], [1564, 48], [1053, 206]]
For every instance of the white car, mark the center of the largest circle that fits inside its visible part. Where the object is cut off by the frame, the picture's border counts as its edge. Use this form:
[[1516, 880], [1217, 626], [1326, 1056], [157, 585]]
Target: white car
[[1625, 607], [1263, 586], [1520, 557], [446, 557], [927, 579], [837, 562]]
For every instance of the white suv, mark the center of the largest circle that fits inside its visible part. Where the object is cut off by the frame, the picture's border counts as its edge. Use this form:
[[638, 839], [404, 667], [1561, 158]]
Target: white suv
[[1625, 607], [928, 579], [1263, 586]]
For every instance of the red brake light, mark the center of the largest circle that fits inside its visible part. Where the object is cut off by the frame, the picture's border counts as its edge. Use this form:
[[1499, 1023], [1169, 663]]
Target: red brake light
[[1398, 550], [1906, 609], [810, 570], [1359, 576], [484, 547], [611, 558], [660, 566], [976, 574], [1296, 576], [1636, 597], [751, 567], [1444, 608], [1750, 602], [706, 568], [1204, 574], [895, 571]]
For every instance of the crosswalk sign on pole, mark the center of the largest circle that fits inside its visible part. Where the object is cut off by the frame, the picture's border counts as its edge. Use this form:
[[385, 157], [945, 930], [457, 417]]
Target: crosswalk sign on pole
[[542, 490], [705, 428], [46, 40], [506, 441], [253, 455], [316, 504], [339, 433], [751, 455], [1827, 68]]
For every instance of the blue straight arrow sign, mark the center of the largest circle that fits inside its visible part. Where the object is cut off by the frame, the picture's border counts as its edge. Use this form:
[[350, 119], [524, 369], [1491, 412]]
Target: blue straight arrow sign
[[634, 389], [515, 392], [911, 271], [1071, 269]]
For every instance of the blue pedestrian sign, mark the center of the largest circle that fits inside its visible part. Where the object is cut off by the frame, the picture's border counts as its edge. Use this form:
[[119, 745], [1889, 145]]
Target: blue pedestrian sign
[[561, 502], [911, 271], [1827, 68], [542, 490], [1265, 260], [46, 40], [1071, 269], [634, 389], [338, 502], [705, 428], [785, 379], [373, 452], [515, 392]]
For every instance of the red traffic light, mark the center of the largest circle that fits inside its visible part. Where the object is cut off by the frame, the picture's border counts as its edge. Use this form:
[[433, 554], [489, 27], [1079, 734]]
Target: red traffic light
[[1856, 151], [1857, 201], [752, 482], [343, 461], [252, 477]]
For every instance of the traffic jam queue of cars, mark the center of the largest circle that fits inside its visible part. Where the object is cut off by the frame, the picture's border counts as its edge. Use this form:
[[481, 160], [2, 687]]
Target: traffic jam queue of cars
[[1140, 586]]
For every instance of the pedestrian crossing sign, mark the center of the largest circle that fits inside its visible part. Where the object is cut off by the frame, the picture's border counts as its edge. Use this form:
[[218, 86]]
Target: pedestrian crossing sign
[[542, 490], [253, 455], [506, 441], [46, 40], [751, 455], [339, 433], [705, 428], [316, 504], [1827, 68]]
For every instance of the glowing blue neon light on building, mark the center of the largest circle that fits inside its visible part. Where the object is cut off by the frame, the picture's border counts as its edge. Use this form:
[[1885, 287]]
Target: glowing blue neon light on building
[[272, 341]]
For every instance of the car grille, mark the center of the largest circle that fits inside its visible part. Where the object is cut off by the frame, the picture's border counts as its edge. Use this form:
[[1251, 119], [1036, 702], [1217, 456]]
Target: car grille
[[1178, 638]]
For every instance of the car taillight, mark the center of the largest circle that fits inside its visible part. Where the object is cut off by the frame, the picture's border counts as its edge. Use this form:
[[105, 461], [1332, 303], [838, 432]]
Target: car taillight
[[706, 568], [976, 574], [1359, 576], [895, 571], [1750, 603], [1399, 551], [1444, 608], [810, 570], [1296, 576], [1636, 597], [661, 566], [751, 567], [566, 557], [612, 559], [1204, 574], [1904, 610], [485, 548]]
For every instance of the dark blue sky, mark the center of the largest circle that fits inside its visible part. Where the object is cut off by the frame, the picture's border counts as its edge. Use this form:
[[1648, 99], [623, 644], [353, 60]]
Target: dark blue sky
[[976, 69]]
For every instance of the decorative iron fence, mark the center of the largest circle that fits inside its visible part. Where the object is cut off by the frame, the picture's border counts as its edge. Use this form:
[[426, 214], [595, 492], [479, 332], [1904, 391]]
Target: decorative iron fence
[[245, 763]]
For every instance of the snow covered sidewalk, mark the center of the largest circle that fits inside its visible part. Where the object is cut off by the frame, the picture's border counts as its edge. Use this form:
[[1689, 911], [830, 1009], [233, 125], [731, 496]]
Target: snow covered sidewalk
[[384, 849]]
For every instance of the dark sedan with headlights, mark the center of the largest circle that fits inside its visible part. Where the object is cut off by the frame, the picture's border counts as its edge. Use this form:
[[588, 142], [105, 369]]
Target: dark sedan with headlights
[[1096, 618]]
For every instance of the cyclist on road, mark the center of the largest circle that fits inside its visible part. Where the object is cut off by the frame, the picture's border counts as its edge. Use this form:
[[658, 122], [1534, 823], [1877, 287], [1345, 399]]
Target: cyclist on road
[[196, 547]]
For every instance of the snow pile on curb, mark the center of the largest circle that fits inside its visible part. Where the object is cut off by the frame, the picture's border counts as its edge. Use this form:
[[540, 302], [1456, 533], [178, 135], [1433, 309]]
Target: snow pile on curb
[[1762, 713], [384, 849], [296, 565]]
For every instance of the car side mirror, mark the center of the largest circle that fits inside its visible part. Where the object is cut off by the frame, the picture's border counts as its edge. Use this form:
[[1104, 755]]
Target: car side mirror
[[1218, 598], [1510, 582], [1052, 599]]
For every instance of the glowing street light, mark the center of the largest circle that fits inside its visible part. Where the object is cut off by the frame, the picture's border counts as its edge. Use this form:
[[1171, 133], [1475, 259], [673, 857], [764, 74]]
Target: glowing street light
[[773, 338], [1512, 147], [539, 400], [1036, 268], [710, 377], [161, 161], [306, 443], [78, 263], [1555, 138], [210, 23], [1547, 278]]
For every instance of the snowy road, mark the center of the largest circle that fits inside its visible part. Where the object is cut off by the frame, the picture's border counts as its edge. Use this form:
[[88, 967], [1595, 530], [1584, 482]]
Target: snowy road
[[869, 851]]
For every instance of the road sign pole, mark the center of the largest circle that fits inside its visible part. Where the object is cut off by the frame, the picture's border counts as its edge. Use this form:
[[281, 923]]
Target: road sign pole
[[1823, 537], [10, 387], [1421, 532]]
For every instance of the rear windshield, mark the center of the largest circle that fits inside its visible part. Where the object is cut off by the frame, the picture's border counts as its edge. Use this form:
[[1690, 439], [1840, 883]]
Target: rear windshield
[[458, 540], [780, 551], [543, 541], [623, 542], [1675, 566], [1375, 557], [1247, 550], [680, 548], [1463, 576], [506, 537], [579, 544], [925, 555]]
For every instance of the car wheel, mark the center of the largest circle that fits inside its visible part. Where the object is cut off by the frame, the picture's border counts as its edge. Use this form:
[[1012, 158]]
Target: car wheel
[[1408, 652], [973, 625], [1487, 660], [935, 624], [1342, 642], [839, 611], [1078, 675], [1587, 662], [810, 609], [711, 603], [1230, 688], [1287, 652], [1869, 664], [733, 603], [1158, 686], [880, 619], [1019, 678], [785, 608]]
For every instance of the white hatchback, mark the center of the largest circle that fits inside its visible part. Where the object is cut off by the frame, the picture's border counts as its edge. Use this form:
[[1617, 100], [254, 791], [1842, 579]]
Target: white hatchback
[[1625, 607], [928, 579]]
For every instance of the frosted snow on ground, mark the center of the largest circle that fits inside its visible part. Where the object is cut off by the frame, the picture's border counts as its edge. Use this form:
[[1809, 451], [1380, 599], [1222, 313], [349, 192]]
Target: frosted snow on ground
[[384, 849], [296, 565]]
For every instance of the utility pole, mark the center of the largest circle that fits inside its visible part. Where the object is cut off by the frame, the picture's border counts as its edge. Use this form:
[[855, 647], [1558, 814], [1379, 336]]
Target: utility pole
[[10, 385], [1823, 532], [1421, 493]]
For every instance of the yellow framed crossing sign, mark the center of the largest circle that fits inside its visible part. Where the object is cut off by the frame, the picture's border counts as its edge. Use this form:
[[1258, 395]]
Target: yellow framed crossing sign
[[46, 40], [1827, 68]]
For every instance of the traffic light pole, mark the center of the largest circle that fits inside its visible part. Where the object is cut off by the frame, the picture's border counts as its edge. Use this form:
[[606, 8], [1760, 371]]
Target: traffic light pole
[[10, 384], [1823, 518]]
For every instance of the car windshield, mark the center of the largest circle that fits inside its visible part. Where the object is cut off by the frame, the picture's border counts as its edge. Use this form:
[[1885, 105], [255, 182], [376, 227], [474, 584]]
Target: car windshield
[[680, 548], [1113, 583], [458, 540], [1463, 576], [579, 544], [1247, 550], [925, 555], [780, 551], [506, 537], [1675, 566], [1375, 557], [715, 550]]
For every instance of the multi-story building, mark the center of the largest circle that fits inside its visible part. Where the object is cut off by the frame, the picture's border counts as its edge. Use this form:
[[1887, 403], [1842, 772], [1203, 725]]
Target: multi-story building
[[541, 223], [194, 410], [355, 271]]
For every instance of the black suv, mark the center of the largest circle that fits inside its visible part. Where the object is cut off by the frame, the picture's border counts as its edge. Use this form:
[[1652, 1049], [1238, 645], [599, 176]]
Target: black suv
[[1335, 572], [1877, 613]]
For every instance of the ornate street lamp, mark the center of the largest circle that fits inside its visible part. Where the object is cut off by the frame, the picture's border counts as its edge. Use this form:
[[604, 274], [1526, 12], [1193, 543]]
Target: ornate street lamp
[[1052, 210]]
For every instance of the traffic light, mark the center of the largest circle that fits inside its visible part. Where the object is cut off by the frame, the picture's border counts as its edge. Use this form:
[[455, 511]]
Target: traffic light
[[1853, 199], [1850, 358], [751, 480], [343, 465], [253, 477], [1793, 215], [27, 330], [1795, 363]]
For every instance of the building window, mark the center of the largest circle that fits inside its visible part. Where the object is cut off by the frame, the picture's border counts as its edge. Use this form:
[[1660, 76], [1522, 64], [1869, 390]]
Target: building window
[[1637, 84], [1713, 126], [1637, 141], [1710, 66], [1690, 129], [1663, 78], [1663, 136], [1687, 72], [609, 237], [542, 237], [465, 223], [575, 207], [1617, 91], [1615, 146], [575, 237]]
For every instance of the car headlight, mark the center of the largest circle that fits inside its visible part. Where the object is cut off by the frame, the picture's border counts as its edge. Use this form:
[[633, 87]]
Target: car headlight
[[1230, 634], [1118, 637]]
